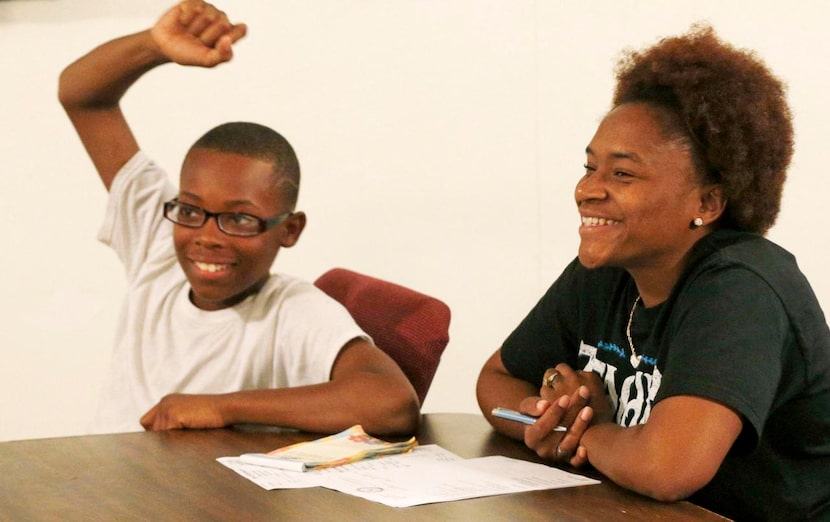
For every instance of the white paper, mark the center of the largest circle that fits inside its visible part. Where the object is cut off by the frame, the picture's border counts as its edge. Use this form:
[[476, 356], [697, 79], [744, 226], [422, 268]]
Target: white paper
[[426, 475], [270, 478]]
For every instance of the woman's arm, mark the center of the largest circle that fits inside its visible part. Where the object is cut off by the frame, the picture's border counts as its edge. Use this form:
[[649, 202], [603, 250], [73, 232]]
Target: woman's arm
[[671, 456], [496, 387]]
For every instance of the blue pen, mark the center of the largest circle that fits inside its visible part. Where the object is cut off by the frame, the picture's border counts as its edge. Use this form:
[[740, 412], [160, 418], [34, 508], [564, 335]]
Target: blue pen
[[514, 415]]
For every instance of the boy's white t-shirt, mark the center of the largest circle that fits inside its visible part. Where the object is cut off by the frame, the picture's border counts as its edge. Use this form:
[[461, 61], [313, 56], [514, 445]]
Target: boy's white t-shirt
[[286, 335]]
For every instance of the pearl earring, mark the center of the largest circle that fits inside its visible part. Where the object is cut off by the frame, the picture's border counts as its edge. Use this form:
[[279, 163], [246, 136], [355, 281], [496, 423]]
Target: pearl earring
[[698, 222]]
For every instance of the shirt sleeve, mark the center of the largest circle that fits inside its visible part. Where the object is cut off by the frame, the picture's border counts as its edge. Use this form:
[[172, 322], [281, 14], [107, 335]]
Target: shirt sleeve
[[728, 337], [133, 222], [546, 336], [312, 332]]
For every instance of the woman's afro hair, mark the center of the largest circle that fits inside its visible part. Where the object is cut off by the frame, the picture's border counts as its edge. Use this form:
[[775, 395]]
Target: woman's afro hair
[[734, 110]]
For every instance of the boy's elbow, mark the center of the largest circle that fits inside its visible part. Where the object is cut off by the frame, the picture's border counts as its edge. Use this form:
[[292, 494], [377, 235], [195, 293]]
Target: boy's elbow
[[407, 414], [399, 414], [64, 93], [410, 419], [69, 95]]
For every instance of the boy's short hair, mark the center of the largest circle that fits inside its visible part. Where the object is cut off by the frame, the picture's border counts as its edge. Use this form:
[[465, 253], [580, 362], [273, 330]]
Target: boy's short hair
[[260, 142]]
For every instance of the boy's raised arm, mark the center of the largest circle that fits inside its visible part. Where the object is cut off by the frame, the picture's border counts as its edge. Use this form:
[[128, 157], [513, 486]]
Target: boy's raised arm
[[91, 88]]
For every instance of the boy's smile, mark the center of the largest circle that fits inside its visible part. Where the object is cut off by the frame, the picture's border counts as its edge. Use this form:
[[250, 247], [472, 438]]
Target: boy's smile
[[223, 269], [210, 267]]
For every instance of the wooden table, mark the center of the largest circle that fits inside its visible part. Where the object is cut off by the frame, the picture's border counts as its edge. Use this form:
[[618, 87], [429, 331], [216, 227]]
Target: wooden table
[[172, 476]]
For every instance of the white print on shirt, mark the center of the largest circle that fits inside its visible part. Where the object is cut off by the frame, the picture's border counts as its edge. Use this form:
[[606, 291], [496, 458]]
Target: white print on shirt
[[633, 398]]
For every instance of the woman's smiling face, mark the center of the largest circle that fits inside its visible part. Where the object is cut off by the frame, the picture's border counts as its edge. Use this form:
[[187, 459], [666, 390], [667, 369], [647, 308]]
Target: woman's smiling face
[[639, 193]]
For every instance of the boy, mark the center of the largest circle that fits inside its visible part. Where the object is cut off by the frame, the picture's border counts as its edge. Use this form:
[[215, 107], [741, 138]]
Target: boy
[[215, 339]]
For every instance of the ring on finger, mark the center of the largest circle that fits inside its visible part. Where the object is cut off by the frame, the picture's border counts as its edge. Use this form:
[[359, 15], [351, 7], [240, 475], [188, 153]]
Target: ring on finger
[[551, 378], [560, 453]]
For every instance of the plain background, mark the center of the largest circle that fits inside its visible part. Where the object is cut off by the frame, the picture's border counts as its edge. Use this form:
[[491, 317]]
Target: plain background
[[440, 142]]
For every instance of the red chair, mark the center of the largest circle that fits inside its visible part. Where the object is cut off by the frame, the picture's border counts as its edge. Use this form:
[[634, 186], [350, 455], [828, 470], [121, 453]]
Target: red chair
[[411, 327]]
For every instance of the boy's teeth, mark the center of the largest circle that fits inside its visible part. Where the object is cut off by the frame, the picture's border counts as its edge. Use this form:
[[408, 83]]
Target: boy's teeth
[[210, 267]]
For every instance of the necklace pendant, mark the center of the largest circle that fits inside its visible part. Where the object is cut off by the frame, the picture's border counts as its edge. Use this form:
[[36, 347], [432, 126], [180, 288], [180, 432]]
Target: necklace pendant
[[635, 359]]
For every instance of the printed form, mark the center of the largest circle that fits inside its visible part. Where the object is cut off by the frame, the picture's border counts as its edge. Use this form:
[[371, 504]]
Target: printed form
[[426, 475]]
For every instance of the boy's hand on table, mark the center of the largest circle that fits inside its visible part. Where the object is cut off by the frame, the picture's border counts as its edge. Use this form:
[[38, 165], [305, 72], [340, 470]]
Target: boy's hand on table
[[178, 410]]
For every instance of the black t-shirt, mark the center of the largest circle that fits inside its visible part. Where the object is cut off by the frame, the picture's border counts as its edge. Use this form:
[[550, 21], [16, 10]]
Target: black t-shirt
[[741, 327]]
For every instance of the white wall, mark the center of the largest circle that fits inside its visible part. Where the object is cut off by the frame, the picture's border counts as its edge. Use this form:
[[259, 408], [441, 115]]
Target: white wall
[[440, 142]]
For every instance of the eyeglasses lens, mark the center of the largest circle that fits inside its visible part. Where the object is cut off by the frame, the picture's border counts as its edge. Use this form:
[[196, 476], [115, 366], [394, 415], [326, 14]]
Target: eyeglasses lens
[[231, 223]]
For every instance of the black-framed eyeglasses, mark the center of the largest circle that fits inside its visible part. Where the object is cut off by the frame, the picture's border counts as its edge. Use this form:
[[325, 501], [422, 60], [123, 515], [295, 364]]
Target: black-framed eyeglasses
[[231, 223]]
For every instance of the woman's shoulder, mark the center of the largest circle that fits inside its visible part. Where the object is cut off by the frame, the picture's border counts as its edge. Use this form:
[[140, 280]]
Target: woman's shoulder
[[743, 250], [759, 267]]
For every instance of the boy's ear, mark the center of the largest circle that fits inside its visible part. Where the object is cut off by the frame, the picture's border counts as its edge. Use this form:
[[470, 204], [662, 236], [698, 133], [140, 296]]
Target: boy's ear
[[291, 229]]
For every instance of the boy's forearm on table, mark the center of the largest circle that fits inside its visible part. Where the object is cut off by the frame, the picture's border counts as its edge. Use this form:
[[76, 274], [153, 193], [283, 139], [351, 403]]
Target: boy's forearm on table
[[328, 407]]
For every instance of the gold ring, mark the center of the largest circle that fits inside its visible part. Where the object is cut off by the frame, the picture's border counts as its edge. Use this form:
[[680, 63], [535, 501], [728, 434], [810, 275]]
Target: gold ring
[[550, 378]]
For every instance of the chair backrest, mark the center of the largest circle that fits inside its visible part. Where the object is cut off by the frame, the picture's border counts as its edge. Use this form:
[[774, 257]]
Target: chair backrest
[[411, 327]]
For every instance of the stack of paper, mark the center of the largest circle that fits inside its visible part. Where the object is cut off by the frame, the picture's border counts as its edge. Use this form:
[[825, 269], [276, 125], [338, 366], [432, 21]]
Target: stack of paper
[[425, 475], [345, 447]]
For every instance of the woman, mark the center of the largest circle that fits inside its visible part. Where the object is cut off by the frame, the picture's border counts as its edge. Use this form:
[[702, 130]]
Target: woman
[[686, 354]]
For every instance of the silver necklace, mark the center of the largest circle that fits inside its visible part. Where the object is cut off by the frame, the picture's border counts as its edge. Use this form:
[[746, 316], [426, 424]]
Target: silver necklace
[[635, 359]]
